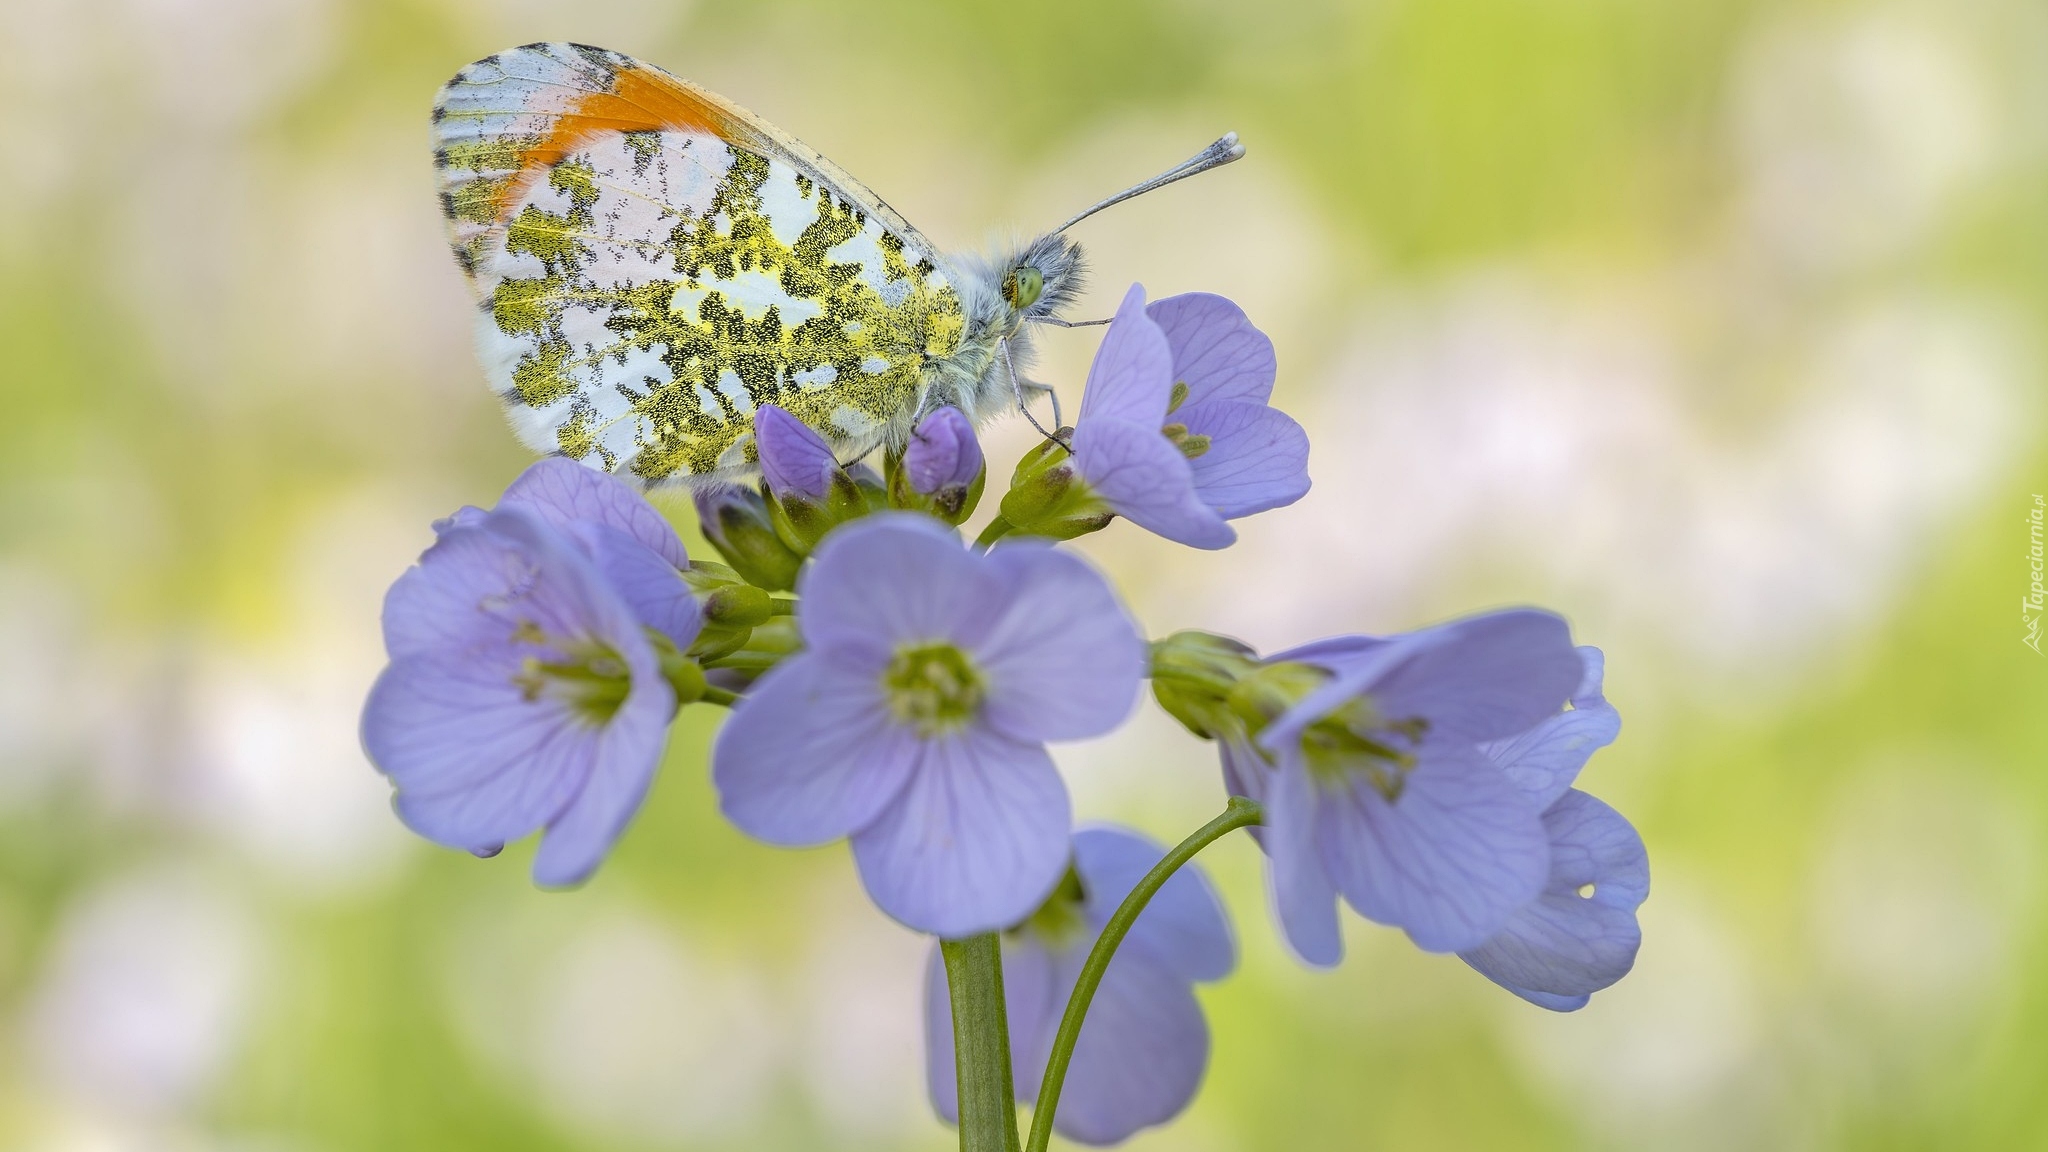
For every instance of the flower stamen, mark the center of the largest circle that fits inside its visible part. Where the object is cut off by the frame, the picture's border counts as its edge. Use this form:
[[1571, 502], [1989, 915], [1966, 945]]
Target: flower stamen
[[934, 688]]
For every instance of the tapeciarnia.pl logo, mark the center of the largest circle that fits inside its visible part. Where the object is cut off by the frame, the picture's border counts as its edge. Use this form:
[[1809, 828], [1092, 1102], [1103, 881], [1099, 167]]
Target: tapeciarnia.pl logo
[[2037, 598]]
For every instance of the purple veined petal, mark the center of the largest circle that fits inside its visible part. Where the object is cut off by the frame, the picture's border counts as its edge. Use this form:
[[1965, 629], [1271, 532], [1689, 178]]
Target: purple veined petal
[[1332, 651], [564, 491], [1544, 761], [651, 586], [1564, 946], [1063, 660], [541, 578], [942, 452], [1032, 1005], [1484, 677], [628, 752], [1589, 691], [1140, 474], [1257, 458], [1449, 861], [475, 763], [1300, 889], [1131, 377], [894, 578], [1140, 1056], [1245, 773], [975, 840], [1183, 929], [467, 516], [795, 460], [1355, 664], [810, 754], [437, 605], [1216, 351]]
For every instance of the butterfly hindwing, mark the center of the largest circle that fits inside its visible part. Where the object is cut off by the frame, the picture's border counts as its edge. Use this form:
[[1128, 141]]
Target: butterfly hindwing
[[652, 265]]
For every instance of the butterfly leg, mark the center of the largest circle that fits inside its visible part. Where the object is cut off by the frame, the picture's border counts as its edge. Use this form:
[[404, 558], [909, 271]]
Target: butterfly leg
[[1024, 406]]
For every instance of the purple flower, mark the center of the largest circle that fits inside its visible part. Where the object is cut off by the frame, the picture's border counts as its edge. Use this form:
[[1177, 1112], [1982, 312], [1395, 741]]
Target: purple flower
[[943, 453], [523, 691], [797, 462], [1175, 432], [1580, 933], [1375, 786], [915, 719], [631, 543], [1144, 1047]]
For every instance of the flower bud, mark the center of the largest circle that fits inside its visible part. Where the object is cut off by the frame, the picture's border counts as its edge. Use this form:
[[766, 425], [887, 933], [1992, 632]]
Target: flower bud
[[1195, 677], [811, 493], [737, 523], [943, 468], [1047, 497]]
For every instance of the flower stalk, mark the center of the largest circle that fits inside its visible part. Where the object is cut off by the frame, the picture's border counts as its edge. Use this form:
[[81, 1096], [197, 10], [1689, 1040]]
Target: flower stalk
[[1240, 813], [981, 1043]]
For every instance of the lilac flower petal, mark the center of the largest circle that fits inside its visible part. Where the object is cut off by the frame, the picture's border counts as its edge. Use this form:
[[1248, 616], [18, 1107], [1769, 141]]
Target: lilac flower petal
[[1545, 760], [628, 750], [974, 842], [1131, 377], [1142, 476], [942, 452], [448, 716], [1485, 677], [1564, 946], [1449, 861], [1063, 660], [1140, 1055], [1032, 1003], [1304, 899], [1257, 457], [895, 578], [1488, 677], [810, 754], [795, 460], [1589, 690], [1216, 351], [474, 762], [564, 491], [1183, 929], [644, 579]]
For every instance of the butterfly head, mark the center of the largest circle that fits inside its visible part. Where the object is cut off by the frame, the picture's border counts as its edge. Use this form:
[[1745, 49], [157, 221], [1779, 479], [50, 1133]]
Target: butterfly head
[[1041, 279]]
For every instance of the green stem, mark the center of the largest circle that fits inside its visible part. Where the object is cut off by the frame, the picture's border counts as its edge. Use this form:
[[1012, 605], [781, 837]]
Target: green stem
[[719, 696], [996, 530], [782, 606], [981, 1043], [1241, 813]]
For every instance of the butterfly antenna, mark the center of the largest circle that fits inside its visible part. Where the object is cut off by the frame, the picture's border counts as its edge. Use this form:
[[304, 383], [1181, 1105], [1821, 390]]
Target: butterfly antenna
[[1214, 156], [1017, 387]]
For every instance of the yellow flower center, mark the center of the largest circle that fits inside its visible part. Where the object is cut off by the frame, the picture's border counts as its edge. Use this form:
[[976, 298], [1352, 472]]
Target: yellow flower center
[[934, 688]]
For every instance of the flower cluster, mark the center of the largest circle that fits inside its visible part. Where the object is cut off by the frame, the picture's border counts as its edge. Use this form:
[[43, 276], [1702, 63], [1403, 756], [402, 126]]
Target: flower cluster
[[896, 686]]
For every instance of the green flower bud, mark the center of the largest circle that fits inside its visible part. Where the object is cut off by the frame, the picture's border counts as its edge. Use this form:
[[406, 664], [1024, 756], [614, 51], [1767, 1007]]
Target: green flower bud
[[738, 524], [1048, 498]]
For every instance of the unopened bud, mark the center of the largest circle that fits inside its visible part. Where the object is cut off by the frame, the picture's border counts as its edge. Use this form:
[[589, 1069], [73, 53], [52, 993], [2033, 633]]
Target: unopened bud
[[811, 493], [943, 470], [1047, 497], [737, 522]]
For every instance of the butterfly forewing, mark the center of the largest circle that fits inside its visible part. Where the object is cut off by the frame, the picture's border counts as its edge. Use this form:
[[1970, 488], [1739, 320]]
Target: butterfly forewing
[[652, 265]]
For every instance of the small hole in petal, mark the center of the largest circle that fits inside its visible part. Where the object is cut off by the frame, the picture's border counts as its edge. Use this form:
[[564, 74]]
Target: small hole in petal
[[1585, 891]]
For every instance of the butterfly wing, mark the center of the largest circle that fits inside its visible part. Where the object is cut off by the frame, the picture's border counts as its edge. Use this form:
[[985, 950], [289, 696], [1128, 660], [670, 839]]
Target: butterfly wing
[[652, 264]]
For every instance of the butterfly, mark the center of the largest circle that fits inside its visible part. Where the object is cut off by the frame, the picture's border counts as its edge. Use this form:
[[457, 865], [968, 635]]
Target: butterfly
[[652, 263]]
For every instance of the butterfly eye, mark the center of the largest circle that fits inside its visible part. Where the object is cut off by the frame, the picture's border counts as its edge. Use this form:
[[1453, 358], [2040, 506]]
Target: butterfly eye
[[1022, 286]]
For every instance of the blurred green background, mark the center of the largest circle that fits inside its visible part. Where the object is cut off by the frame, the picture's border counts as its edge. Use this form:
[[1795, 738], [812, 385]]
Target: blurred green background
[[1714, 325]]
